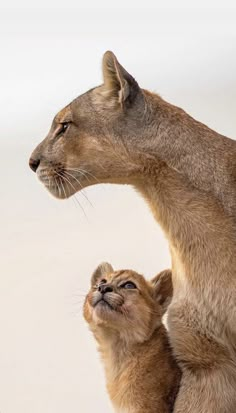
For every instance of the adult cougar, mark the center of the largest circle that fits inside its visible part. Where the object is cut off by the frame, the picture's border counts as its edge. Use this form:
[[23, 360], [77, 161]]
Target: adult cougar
[[120, 133]]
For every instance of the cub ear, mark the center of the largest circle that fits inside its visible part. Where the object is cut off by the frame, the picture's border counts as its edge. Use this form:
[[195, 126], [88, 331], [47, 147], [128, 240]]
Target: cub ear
[[163, 287], [118, 83], [101, 271]]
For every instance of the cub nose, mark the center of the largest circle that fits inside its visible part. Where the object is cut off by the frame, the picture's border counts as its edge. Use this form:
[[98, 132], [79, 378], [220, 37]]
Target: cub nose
[[34, 163], [104, 288]]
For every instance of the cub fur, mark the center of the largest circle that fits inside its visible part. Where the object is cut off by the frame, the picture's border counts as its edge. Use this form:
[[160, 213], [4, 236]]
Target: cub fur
[[124, 312]]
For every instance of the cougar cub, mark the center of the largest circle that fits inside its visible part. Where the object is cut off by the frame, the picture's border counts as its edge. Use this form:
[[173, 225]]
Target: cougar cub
[[124, 312]]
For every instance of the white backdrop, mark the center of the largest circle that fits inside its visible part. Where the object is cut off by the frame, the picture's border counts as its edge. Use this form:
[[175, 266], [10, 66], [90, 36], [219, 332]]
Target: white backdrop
[[49, 55]]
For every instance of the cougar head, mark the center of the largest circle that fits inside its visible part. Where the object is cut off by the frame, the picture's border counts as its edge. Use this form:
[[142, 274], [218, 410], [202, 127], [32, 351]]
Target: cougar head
[[97, 138]]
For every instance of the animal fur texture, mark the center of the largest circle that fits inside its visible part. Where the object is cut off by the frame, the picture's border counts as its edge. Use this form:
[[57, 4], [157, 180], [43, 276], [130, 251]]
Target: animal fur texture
[[124, 312], [120, 133]]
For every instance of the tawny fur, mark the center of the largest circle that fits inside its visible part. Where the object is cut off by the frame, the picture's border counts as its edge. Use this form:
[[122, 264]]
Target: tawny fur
[[119, 133], [141, 373]]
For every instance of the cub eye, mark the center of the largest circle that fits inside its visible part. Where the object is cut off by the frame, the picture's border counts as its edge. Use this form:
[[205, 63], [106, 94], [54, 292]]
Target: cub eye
[[103, 281], [129, 285]]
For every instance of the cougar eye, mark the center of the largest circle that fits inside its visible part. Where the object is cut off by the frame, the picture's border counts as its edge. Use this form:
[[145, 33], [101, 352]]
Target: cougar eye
[[103, 281], [64, 126], [129, 285]]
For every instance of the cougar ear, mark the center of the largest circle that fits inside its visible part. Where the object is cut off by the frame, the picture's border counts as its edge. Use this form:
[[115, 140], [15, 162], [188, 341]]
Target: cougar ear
[[163, 288], [101, 271], [118, 83]]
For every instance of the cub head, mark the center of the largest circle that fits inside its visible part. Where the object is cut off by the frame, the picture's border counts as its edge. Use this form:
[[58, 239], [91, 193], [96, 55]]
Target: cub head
[[97, 138], [124, 302]]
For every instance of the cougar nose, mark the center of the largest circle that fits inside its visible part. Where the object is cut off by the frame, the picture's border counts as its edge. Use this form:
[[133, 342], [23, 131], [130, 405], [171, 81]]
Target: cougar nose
[[34, 163], [104, 288]]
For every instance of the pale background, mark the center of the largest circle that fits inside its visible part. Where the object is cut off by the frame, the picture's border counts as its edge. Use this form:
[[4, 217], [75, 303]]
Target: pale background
[[48, 359]]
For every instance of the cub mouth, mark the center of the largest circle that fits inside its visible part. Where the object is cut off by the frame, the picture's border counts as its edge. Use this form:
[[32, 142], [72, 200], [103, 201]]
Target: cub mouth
[[103, 302]]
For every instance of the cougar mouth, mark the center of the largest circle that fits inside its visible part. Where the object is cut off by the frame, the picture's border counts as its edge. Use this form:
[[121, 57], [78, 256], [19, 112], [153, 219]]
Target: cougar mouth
[[59, 182], [63, 182], [54, 185]]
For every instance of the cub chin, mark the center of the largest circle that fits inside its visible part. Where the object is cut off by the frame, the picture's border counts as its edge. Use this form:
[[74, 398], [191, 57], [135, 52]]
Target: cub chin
[[124, 312]]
